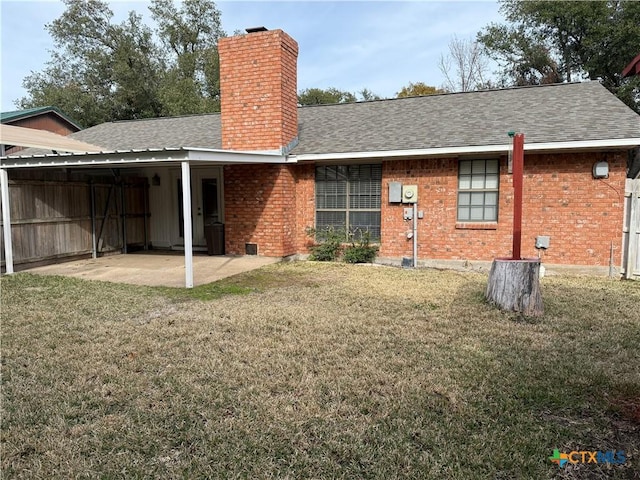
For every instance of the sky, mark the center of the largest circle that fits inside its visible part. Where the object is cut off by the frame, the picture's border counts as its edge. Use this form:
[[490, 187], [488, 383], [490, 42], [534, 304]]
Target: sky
[[349, 45]]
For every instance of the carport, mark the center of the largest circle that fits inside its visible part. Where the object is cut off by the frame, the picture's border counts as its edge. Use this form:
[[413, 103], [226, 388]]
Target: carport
[[86, 156]]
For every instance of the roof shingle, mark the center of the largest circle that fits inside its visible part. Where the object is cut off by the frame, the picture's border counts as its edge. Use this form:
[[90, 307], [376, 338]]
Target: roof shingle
[[549, 113]]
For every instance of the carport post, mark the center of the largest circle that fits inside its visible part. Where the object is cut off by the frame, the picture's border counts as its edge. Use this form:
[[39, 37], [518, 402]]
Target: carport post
[[188, 234], [94, 251], [6, 220]]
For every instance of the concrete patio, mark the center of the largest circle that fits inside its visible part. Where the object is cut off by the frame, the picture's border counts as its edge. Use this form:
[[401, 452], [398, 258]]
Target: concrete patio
[[155, 269]]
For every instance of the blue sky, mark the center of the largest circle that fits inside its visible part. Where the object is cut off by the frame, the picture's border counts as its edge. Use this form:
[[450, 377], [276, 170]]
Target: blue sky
[[380, 45]]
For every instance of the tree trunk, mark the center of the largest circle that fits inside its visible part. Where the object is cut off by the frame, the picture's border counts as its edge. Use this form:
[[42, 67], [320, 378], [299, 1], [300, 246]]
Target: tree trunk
[[514, 285]]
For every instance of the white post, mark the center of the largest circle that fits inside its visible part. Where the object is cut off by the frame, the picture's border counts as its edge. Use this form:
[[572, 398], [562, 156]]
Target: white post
[[6, 220], [415, 235], [188, 232]]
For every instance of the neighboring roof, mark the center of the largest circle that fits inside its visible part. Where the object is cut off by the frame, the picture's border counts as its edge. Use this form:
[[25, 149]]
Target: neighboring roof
[[560, 113], [10, 117], [633, 68], [29, 137]]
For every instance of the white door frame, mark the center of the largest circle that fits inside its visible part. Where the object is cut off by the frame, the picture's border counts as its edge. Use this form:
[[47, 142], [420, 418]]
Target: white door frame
[[197, 175]]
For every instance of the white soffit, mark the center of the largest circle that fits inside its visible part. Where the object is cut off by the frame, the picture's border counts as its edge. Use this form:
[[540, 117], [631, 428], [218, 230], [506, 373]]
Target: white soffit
[[29, 137]]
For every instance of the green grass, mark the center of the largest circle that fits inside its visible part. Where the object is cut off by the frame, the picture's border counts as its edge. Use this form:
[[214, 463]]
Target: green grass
[[316, 371]]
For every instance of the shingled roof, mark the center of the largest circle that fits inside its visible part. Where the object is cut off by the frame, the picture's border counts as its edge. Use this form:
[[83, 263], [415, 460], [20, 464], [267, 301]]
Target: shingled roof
[[551, 113], [16, 115]]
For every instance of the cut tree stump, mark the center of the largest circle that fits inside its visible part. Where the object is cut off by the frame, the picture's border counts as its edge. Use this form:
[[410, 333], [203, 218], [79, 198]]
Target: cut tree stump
[[514, 285]]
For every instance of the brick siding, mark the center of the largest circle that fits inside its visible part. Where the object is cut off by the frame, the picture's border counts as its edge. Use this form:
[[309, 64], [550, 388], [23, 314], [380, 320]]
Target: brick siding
[[272, 205], [561, 199], [258, 209], [258, 84]]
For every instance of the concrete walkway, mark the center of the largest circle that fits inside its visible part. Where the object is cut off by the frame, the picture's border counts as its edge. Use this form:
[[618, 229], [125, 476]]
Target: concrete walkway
[[155, 269]]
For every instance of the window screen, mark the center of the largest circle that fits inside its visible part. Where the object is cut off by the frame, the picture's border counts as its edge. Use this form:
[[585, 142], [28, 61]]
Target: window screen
[[348, 198]]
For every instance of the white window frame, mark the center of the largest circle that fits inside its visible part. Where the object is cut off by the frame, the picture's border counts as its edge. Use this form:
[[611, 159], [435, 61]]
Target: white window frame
[[478, 190]]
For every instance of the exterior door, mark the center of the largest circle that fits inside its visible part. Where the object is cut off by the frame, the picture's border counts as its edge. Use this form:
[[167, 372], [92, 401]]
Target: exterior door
[[206, 203]]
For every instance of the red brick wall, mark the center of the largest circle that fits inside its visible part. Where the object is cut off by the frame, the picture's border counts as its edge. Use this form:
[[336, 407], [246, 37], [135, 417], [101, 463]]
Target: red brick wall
[[305, 205], [582, 215], [260, 208], [272, 205], [258, 83]]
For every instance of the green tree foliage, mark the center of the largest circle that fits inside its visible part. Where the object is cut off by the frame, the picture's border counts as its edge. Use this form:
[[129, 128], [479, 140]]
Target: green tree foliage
[[102, 71], [190, 36], [319, 96], [367, 95], [418, 89], [548, 42]]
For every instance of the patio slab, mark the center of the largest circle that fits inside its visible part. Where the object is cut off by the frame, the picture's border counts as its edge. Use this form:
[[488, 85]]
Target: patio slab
[[155, 269]]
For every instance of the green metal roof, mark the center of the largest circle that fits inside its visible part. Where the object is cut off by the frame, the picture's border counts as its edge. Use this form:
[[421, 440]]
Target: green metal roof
[[8, 117]]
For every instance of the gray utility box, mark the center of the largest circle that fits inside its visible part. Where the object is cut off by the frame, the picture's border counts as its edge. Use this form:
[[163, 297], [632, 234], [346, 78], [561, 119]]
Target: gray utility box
[[214, 234], [395, 192], [542, 241]]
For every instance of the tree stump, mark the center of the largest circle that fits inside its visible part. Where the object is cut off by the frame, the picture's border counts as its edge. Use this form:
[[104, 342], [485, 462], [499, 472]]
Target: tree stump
[[514, 285]]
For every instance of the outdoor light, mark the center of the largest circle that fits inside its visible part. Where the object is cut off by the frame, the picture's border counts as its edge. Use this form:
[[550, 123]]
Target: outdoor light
[[155, 180], [601, 169]]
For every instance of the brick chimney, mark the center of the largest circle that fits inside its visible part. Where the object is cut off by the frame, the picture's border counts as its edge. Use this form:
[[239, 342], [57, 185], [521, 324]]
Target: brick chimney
[[258, 85]]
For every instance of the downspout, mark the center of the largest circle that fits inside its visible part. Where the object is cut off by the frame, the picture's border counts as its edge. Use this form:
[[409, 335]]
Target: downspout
[[415, 235]]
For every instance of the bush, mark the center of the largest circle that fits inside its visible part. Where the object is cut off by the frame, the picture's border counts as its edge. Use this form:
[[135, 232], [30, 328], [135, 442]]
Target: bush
[[330, 246], [360, 250]]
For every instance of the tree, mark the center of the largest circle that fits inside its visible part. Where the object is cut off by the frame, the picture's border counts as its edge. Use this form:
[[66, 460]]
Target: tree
[[190, 36], [547, 41], [464, 67], [101, 71], [418, 89], [319, 96], [367, 95]]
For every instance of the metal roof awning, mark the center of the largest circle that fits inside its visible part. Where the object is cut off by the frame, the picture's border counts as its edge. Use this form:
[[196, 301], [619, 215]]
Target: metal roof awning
[[84, 155], [29, 137], [142, 157]]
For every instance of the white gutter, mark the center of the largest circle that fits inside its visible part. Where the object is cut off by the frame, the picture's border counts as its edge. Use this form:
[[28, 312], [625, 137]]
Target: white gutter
[[468, 150]]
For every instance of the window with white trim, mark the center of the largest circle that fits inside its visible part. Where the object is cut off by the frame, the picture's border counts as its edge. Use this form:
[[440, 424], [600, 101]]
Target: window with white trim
[[348, 198], [478, 182]]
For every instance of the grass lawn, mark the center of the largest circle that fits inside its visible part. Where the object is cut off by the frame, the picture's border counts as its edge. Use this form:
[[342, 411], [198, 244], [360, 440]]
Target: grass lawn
[[312, 370]]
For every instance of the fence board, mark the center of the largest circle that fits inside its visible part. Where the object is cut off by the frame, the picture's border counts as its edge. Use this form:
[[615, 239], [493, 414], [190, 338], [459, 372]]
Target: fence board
[[631, 230], [52, 219]]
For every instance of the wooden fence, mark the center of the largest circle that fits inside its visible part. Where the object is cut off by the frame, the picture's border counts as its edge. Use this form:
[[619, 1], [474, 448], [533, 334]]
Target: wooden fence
[[631, 231], [57, 219]]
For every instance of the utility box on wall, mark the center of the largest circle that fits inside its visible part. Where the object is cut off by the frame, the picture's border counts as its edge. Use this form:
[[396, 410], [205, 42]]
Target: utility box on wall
[[542, 241], [395, 192], [409, 193]]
